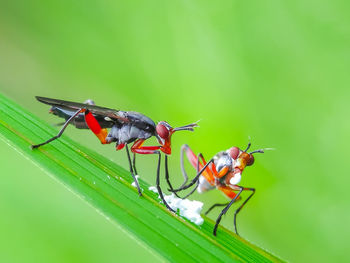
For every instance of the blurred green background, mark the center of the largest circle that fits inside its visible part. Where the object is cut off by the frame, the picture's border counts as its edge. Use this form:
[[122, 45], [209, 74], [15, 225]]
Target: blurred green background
[[275, 71]]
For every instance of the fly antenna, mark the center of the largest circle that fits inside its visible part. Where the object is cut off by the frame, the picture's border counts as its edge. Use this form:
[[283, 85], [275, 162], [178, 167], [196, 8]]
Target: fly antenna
[[249, 144], [188, 127], [262, 150], [196, 122]]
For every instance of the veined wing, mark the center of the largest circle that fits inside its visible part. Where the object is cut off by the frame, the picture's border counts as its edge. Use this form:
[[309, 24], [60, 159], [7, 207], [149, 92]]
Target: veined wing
[[74, 106]]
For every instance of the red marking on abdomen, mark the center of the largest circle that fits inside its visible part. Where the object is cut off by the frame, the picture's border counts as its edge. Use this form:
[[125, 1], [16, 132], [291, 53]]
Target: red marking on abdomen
[[120, 146], [92, 123]]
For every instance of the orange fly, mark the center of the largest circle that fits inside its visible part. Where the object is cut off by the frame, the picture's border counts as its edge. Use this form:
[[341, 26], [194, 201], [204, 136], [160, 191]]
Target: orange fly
[[222, 172]]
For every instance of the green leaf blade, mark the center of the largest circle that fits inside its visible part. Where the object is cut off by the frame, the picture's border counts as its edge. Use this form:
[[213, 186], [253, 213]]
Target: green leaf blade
[[108, 188]]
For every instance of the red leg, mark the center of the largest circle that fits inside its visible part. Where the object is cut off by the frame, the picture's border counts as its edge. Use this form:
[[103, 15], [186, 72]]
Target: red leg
[[196, 163], [195, 180], [228, 191], [138, 148], [193, 159], [95, 127], [222, 172]]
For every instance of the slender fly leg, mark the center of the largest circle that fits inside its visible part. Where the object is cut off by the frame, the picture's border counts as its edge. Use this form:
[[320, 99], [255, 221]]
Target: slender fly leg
[[134, 163], [213, 206], [61, 131], [235, 196], [171, 189], [132, 171], [158, 184], [202, 169], [239, 208], [224, 211], [194, 180], [138, 148], [195, 161]]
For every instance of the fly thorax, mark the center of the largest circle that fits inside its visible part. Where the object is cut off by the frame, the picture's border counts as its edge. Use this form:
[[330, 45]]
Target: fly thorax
[[134, 132], [221, 160], [113, 134], [126, 134]]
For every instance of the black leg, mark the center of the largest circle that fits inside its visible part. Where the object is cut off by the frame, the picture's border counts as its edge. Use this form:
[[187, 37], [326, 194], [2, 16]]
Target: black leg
[[158, 184], [167, 176], [225, 210], [134, 163], [194, 180], [184, 173], [132, 171], [197, 183], [213, 206], [239, 209], [192, 191], [60, 132]]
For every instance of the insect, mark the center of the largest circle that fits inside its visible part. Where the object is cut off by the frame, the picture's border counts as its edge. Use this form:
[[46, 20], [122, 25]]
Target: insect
[[125, 127], [222, 172]]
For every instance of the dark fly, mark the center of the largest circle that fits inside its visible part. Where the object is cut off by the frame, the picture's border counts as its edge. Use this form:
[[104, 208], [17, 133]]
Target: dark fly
[[125, 127]]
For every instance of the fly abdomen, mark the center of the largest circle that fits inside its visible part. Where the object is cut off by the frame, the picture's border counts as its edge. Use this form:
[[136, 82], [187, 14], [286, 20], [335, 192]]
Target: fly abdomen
[[127, 134], [78, 122], [204, 185]]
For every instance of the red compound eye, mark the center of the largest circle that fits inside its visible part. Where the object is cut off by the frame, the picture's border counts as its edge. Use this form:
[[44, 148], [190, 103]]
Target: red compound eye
[[234, 152], [250, 160], [162, 131]]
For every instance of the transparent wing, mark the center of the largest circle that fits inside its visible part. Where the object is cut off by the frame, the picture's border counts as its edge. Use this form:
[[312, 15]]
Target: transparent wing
[[74, 106]]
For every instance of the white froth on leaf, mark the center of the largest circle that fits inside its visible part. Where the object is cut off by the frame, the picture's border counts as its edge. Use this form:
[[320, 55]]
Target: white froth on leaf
[[188, 209], [153, 189], [134, 183]]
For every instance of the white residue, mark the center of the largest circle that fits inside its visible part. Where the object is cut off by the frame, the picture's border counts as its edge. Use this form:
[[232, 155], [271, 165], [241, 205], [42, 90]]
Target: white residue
[[134, 183], [189, 209], [153, 189], [236, 179]]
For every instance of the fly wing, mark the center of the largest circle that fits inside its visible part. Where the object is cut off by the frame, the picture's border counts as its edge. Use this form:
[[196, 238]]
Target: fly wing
[[96, 110]]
